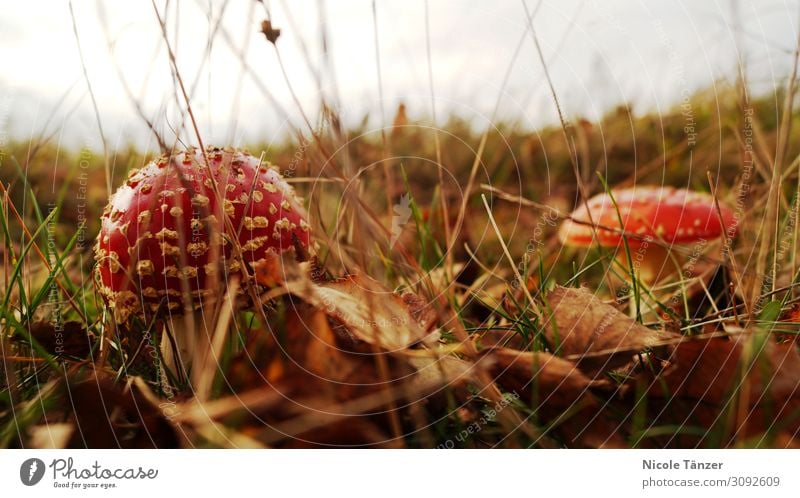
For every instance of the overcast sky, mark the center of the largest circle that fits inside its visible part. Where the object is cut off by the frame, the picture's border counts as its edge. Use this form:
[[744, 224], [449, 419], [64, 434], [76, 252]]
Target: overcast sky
[[600, 53]]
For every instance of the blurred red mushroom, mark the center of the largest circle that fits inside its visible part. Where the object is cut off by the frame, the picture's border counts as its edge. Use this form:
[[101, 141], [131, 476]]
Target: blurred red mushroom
[[654, 220], [178, 228]]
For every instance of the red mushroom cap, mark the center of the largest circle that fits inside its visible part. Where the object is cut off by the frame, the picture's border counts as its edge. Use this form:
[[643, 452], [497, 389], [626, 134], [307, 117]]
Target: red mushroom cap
[[165, 225], [676, 216]]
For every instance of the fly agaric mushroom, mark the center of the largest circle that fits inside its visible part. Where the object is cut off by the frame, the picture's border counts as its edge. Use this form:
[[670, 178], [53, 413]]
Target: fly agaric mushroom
[[654, 219], [167, 243]]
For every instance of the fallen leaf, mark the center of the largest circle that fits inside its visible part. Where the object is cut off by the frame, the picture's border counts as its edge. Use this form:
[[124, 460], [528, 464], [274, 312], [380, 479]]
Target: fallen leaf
[[556, 382], [555, 387], [70, 339], [749, 383], [371, 313], [502, 338], [106, 416], [302, 359], [597, 335], [706, 369], [306, 348], [445, 370], [420, 309]]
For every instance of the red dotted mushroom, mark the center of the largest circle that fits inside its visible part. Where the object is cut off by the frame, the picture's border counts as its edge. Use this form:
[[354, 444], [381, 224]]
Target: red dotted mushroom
[[167, 244], [654, 219]]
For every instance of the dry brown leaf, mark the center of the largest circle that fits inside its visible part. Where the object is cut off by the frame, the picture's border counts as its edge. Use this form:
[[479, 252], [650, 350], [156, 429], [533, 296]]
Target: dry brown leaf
[[501, 338], [304, 362], [445, 370], [107, 416], [307, 350], [363, 309], [369, 312], [597, 335], [711, 377], [420, 309], [557, 381], [72, 339], [707, 369], [556, 387]]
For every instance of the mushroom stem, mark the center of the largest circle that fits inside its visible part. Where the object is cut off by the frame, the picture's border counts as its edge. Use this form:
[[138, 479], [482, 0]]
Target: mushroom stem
[[655, 264], [184, 340], [651, 263]]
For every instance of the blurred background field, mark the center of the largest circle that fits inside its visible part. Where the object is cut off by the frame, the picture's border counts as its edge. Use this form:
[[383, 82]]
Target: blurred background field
[[623, 147]]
